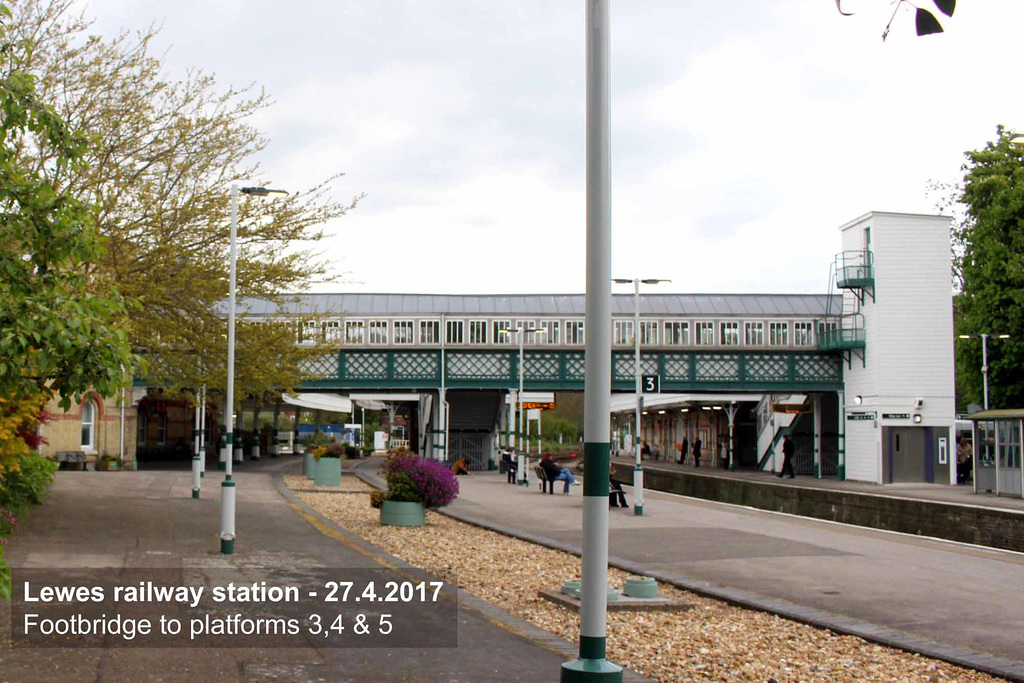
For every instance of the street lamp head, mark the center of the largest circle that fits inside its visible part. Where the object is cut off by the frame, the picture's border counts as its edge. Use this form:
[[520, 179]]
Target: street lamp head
[[261, 191], [1004, 336], [653, 281], [966, 336], [621, 281]]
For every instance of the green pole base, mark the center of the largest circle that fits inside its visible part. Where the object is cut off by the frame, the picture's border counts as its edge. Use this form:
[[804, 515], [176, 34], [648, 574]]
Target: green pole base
[[817, 471], [638, 510], [591, 670], [195, 493], [732, 467], [841, 473], [227, 546], [202, 475], [222, 466]]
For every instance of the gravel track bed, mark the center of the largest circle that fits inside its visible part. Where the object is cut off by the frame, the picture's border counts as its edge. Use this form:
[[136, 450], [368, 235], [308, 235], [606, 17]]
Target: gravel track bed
[[713, 641]]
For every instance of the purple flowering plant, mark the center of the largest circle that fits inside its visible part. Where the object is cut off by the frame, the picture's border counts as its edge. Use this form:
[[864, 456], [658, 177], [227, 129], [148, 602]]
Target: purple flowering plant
[[414, 479]]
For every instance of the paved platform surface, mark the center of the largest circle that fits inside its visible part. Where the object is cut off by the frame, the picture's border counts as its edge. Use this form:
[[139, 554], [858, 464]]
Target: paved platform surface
[[961, 602], [962, 494], [148, 519]]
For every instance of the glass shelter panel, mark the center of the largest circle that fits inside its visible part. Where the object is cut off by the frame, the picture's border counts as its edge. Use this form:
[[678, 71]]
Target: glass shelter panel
[[1009, 457]]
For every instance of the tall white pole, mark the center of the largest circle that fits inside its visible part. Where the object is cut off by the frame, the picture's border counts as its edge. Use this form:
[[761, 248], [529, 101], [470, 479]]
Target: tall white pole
[[196, 466], [592, 664], [523, 478], [227, 491], [638, 468], [202, 436], [984, 365]]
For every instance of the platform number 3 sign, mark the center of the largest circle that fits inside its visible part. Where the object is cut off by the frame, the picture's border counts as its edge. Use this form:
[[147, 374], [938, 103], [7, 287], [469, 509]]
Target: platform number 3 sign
[[651, 384]]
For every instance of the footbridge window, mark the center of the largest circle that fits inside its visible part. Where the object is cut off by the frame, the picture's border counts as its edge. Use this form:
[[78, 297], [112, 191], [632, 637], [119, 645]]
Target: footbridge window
[[430, 331], [803, 333], [649, 332], [778, 334], [623, 333], [705, 333], [497, 335], [677, 333], [753, 333], [454, 331], [550, 328], [355, 331], [332, 331], [477, 331], [404, 332], [574, 332], [378, 331], [730, 333]]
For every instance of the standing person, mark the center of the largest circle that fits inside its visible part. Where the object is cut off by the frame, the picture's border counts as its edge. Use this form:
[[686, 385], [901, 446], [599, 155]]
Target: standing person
[[787, 458], [645, 451], [684, 450], [696, 452]]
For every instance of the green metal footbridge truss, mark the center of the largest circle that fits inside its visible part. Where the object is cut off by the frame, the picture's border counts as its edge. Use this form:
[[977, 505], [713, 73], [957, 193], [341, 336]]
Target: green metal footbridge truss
[[682, 371]]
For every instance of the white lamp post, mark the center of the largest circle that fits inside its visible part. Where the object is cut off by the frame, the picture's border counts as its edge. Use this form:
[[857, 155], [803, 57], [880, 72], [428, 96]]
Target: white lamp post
[[592, 663], [984, 354], [524, 480], [227, 490], [638, 470]]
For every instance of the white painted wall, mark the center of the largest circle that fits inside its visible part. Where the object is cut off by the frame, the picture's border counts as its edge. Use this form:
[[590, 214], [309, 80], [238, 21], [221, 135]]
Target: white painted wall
[[909, 326]]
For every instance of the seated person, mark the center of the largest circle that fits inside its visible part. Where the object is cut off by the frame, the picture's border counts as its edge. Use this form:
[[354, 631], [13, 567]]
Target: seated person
[[555, 472], [616, 496], [460, 467], [510, 466]]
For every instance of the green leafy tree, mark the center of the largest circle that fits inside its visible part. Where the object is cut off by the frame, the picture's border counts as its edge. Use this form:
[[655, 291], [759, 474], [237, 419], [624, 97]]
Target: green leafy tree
[[59, 321], [992, 268], [163, 155]]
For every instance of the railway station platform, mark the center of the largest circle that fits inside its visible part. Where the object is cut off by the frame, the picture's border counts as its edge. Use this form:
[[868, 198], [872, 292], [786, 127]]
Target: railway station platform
[[952, 601]]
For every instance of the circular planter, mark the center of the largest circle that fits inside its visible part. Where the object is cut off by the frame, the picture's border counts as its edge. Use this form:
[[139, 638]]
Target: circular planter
[[394, 513], [327, 472], [641, 587], [308, 462]]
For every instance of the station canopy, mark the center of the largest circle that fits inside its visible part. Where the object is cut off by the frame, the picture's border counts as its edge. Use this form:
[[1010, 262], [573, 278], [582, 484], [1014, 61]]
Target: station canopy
[[333, 403]]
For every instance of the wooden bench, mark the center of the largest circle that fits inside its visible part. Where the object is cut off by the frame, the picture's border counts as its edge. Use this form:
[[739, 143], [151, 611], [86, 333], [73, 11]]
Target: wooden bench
[[545, 483]]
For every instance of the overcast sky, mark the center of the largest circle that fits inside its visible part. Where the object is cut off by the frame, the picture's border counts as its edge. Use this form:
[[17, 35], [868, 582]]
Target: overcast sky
[[744, 132]]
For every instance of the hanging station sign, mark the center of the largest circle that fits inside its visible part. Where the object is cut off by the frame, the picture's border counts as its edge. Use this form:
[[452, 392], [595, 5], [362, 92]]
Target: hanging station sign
[[793, 408], [895, 416], [861, 415]]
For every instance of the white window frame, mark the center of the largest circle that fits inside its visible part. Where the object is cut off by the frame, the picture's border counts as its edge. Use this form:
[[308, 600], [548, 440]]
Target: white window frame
[[331, 331], [308, 333], [405, 325], [377, 332], [648, 333], [753, 333], [161, 429], [803, 333], [575, 332], [729, 332], [455, 332], [430, 332], [551, 329], [773, 333], [622, 333], [674, 326], [355, 332], [93, 412], [700, 328], [506, 339], [477, 332]]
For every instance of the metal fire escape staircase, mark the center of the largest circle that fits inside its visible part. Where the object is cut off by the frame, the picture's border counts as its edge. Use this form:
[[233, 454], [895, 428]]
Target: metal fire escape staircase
[[853, 275]]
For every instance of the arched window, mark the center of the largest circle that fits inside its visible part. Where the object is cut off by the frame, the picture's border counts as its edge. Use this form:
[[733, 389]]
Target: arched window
[[88, 426]]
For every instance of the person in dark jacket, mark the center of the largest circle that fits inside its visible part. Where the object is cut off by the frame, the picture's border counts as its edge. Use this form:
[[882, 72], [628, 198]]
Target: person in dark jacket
[[696, 452], [684, 450], [616, 496], [645, 451], [555, 472], [787, 458]]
